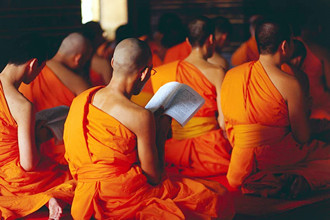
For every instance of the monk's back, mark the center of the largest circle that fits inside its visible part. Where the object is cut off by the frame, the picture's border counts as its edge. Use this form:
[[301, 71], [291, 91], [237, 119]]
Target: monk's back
[[248, 96]]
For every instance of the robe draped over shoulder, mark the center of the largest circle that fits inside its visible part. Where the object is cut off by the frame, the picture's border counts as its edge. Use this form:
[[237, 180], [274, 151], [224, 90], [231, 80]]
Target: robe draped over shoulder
[[25, 192], [248, 51], [102, 156], [258, 128]]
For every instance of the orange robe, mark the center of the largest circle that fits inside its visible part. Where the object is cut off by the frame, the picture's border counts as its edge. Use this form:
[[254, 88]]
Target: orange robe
[[199, 148], [258, 128], [103, 158], [47, 91], [177, 52], [247, 52], [313, 67], [25, 192]]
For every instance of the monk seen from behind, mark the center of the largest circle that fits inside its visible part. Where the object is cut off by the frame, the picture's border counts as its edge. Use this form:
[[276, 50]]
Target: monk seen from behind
[[115, 151]]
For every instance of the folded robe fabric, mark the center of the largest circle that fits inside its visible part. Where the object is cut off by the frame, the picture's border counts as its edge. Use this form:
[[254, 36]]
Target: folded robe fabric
[[199, 148], [102, 156], [248, 51], [47, 91], [25, 192], [258, 128]]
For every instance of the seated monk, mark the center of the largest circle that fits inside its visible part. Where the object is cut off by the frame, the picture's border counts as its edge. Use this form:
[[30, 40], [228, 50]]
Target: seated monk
[[200, 147], [248, 51], [57, 84], [222, 33], [27, 179], [115, 151], [267, 123], [99, 68], [169, 45]]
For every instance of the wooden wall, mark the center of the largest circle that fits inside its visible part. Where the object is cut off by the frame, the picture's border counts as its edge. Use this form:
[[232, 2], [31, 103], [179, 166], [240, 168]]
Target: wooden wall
[[53, 18]]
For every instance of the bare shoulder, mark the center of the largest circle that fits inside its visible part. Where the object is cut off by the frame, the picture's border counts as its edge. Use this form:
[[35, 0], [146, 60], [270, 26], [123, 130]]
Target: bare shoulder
[[286, 84], [212, 72], [132, 116]]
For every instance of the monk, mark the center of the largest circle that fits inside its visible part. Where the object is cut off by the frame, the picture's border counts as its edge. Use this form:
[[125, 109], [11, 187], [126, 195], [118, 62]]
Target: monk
[[169, 44], [58, 84], [115, 151], [222, 34], [248, 51], [99, 67], [267, 124], [200, 147], [27, 179]]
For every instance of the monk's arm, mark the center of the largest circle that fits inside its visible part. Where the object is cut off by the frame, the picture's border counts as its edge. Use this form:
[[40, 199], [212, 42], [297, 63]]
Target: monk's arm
[[29, 155], [147, 149], [298, 111], [219, 76]]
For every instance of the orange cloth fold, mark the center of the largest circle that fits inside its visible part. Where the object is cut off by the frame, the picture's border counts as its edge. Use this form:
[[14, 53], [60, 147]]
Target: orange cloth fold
[[248, 51], [47, 91], [102, 156], [193, 150], [258, 128], [25, 192]]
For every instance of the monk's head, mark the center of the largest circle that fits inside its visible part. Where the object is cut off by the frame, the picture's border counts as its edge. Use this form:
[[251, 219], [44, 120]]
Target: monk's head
[[254, 21], [201, 34], [223, 30], [274, 37], [75, 51], [31, 50], [132, 62]]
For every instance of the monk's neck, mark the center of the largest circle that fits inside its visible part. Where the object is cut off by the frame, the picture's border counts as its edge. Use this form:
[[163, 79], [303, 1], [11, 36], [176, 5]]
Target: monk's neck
[[197, 53], [13, 75], [120, 86], [268, 59], [60, 60]]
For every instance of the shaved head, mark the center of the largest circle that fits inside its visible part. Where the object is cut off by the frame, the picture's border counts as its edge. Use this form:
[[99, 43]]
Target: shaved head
[[74, 43], [130, 55]]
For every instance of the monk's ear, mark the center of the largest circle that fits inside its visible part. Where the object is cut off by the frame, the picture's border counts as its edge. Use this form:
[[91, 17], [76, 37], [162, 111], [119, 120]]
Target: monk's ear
[[284, 47], [112, 62], [32, 64], [187, 41], [144, 73], [77, 58], [210, 39]]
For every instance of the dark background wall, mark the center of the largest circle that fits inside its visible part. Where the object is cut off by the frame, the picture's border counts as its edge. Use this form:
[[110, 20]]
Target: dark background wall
[[57, 18]]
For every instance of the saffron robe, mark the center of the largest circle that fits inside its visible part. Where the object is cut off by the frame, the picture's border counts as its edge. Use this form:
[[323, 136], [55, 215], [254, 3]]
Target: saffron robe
[[258, 128], [47, 91], [102, 156], [248, 51], [199, 148], [25, 192]]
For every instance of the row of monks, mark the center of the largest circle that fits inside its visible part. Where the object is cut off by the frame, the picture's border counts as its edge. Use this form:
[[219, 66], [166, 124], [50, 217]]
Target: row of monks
[[258, 131]]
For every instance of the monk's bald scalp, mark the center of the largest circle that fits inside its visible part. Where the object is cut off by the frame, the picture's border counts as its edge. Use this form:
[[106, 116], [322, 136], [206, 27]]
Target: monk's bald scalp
[[270, 34], [199, 29], [74, 43], [131, 54]]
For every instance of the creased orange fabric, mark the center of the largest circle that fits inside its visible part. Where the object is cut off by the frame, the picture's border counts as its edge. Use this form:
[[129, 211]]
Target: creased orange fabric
[[47, 91], [208, 153], [313, 67], [258, 128], [25, 192], [102, 156], [248, 51]]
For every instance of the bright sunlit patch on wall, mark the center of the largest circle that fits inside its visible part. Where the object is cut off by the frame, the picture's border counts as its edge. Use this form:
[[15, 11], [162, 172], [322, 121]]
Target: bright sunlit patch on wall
[[110, 13]]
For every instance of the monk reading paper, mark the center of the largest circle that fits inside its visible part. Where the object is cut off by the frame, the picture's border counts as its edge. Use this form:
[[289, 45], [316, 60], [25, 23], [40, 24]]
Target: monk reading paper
[[267, 123], [27, 179], [200, 147], [115, 151]]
